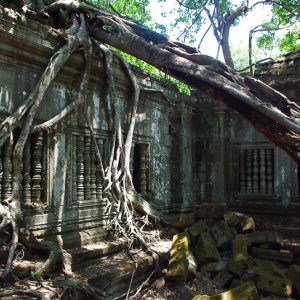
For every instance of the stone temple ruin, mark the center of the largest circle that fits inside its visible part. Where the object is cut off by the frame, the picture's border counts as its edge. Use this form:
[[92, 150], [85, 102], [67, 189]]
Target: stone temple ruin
[[187, 149]]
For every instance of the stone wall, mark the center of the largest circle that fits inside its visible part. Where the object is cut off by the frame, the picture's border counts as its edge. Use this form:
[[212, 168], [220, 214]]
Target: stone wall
[[283, 74], [238, 165], [187, 149], [161, 159]]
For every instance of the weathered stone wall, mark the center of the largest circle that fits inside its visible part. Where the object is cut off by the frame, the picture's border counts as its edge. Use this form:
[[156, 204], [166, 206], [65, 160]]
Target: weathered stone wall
[[236, 164], [161, 159], [187, 150], [283, 74]]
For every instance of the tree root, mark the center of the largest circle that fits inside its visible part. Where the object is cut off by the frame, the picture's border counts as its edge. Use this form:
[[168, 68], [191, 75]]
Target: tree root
[[11, 213], [123, 200]]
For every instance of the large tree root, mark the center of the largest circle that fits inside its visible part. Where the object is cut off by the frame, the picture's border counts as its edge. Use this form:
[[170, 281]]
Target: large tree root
[[10, 209], [123, 201]]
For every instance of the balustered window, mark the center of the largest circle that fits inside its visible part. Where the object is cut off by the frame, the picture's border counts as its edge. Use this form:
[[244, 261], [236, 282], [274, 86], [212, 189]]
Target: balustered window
[[33, 171], [139, 167], [256, 171], [87, 181]]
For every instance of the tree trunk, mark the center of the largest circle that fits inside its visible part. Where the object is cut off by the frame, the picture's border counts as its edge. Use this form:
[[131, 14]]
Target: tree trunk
[[270, 112], [226, 48]]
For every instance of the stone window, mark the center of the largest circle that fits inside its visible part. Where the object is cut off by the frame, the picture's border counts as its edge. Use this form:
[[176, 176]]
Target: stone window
[[256, 171], [33, 171], [139, 165], [86, 176]]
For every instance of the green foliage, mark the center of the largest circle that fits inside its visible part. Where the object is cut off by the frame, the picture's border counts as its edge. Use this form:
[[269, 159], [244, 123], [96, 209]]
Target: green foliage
[[182, 88], [291, 41], [138, 11], [285, 15], [135, 9], [35, 275]]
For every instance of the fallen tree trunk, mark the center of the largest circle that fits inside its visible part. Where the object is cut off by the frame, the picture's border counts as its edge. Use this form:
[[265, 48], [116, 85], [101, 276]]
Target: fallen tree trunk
[[269, 111]]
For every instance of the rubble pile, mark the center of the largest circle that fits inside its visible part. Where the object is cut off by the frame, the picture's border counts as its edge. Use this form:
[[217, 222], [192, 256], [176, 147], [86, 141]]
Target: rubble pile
[[229, 259]]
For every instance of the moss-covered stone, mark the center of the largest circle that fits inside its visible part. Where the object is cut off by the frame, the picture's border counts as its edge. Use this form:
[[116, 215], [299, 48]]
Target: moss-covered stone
[[271, 267], [293, 273], [245, 291], [240, 248], [278, 255], [179, 257], [268, 283], [270, 238], [205, 250], [249, 225], [182, 221], [222, 234], [197, 228], [222, 279], [236, 267], [232, 219]]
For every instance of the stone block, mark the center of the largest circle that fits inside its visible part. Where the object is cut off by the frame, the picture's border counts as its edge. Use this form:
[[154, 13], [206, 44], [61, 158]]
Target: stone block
[[269, 238], [197, 228], [236, 267], [248, 225], [293, 273], [206, 287], [275, 285], [245, 291], [214, 266], [222, 279], [222, 234], [182, 220], [179, 257], [240, 248], [210, 210], [205, 250], [271, 267], [278, 255], [232, 219]]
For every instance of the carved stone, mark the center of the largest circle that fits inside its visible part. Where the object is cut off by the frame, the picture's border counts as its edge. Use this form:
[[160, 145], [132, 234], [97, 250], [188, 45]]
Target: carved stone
[[242, 179], [7, 168], [262, 171], [87, 168], [36, 179], [248, 171], [98, 172], [26, 172], [269, 171], [74, 168], [143, 183], [255, 171], [80, 168], [93, 173]]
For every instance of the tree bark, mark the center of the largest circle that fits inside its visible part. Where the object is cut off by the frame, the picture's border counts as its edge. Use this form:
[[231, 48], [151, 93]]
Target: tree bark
[[274, 116]]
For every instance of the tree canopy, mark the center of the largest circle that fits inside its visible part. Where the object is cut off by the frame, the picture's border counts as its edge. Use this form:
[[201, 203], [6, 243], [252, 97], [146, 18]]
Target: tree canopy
[[220, 16]]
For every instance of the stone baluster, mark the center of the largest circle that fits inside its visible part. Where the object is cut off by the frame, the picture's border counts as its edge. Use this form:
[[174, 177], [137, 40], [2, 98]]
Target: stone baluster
[[26, 172], [242, 171], [249, 171], [269, 170], [7, 169], [143, 183], [262, 171], [147, 167], [36, 179], [255, 171], [87, 168], [1, 175], [131, 158], [74, 168], [93, 173], [98, 171], [80, 167]]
